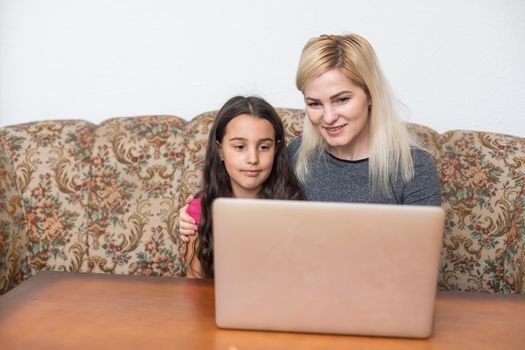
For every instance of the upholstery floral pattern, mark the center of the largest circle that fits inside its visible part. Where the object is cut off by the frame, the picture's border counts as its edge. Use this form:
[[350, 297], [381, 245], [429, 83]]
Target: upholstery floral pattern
[[482, 192], [105, 198], [293, 122], [428, 139], [196, 140], [14, 259], [51, 161], [137, 166], [483, 181]]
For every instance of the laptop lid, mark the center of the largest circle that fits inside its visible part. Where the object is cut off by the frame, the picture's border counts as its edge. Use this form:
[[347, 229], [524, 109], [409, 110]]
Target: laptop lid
[[321, 267]]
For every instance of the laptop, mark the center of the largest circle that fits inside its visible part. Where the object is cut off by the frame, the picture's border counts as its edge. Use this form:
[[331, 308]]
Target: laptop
[[318, 267]]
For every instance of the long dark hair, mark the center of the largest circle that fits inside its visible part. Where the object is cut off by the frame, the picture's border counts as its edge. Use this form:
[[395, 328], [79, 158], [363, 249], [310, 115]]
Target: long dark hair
[[280, 184]]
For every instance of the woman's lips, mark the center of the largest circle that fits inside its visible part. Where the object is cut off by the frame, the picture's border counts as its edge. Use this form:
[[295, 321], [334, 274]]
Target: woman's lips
[[334, 130]]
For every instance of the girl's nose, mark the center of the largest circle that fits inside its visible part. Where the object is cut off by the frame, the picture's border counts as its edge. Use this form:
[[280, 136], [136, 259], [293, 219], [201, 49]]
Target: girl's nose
[[252, 157]]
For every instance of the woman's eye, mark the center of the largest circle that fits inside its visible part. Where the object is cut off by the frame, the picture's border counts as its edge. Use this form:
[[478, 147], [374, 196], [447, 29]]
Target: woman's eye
[[313, 104], [342, 100]]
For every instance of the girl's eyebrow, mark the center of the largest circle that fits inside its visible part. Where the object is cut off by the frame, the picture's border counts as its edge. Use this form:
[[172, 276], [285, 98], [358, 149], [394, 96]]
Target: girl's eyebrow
[[237, 139], [244, 139]]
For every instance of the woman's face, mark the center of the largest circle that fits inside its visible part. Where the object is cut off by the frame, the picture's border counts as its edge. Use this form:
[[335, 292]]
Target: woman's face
[[248, 150], [339, 110]]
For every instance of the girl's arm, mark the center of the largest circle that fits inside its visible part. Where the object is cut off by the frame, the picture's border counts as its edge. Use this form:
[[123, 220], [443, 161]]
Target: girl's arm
[[194, 266], [189, 217]]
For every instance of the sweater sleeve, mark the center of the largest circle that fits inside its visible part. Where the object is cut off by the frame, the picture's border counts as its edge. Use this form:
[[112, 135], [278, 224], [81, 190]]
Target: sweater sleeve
[[425, 188]]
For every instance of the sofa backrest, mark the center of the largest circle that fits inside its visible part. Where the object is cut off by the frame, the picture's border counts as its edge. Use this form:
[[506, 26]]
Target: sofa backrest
[[483, 181], [49, 162], [75, 196], [482, 191], [134, 195], [14, 255], [91, 198]]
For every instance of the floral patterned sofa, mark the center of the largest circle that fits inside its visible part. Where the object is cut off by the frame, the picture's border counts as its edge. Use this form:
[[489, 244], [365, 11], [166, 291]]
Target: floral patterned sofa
[[75, 196]]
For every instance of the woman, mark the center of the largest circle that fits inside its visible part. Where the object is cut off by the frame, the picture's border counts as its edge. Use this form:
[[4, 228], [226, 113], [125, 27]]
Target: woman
[[354, 146]]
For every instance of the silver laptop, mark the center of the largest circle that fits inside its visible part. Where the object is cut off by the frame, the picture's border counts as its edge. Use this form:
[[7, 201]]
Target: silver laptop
[[320, 267]]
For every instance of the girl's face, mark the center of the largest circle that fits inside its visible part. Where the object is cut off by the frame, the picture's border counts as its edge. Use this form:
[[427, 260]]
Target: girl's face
[[339, 109], [248, 150]]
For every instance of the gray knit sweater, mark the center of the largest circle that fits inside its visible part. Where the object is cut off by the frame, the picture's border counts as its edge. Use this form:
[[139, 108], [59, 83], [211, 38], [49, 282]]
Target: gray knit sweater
[[337, 180]]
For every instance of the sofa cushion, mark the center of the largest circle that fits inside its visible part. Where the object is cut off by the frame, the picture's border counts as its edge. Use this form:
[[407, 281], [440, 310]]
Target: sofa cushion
[[14, 257], [292, 121], [483, 179], [427, 138], [196, 139], [134, 194], [51, 161]]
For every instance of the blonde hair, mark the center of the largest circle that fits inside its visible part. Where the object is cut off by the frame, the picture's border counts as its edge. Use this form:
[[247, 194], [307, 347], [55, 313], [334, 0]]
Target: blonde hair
[[390, 144]]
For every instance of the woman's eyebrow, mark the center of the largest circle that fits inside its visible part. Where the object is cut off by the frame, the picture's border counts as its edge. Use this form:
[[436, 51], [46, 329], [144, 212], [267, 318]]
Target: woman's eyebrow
[[331, 97], [311, 99], [340, 93]]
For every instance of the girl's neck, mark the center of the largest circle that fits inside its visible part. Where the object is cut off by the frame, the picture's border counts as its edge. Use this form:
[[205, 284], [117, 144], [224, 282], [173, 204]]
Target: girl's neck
[[246, 194]]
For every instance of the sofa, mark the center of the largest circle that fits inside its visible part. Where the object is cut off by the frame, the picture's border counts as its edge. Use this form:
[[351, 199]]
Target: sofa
[[77, 196]]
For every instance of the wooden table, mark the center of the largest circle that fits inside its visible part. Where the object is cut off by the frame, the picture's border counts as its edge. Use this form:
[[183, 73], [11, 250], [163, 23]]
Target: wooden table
[[64, 310]]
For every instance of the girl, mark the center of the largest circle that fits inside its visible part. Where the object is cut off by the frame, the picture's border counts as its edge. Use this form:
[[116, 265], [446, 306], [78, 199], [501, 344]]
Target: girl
[[246, 157]]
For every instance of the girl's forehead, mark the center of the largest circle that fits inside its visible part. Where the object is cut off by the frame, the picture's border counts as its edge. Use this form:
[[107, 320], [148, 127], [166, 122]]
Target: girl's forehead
[[248, 126]]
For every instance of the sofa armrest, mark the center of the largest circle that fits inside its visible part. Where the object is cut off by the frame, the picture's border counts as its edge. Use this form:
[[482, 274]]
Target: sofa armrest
[[14, 257], [483, 179]]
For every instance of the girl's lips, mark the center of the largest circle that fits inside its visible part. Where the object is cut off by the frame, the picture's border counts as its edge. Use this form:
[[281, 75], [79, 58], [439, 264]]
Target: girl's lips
[[251, 173]]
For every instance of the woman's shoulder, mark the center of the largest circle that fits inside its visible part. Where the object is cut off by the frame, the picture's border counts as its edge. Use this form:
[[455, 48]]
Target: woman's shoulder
[[293, 146], [421, 157], [295, 143]]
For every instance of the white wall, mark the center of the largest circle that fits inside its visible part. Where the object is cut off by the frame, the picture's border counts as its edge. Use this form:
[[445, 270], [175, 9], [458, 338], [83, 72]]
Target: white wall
[[456, 64]]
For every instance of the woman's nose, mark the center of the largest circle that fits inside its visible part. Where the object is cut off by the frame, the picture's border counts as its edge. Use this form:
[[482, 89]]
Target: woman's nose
[[329, 115]]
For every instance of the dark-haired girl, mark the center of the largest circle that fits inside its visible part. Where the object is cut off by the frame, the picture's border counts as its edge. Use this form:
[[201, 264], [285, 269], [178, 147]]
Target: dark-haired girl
[[246, 157]]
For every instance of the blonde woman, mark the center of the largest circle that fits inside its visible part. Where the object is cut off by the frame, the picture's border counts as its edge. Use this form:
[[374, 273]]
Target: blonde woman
[[354, 146]]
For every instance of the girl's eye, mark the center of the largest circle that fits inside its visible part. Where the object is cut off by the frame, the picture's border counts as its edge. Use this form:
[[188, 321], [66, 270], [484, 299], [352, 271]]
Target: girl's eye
[[238, 147], [265, 148]]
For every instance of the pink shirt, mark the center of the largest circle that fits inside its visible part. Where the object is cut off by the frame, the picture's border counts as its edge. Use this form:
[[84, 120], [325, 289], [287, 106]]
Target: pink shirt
[[194, 210]]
